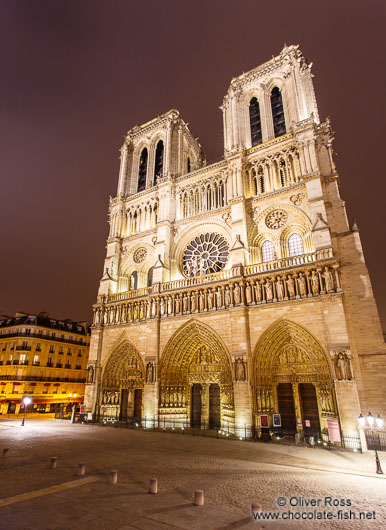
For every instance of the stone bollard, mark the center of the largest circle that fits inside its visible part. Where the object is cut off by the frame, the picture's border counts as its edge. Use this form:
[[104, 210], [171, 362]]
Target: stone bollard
[[53, 462], [153, 487], [81, 469], [256, 508], [199, 498], [5, 451], [113, 476]]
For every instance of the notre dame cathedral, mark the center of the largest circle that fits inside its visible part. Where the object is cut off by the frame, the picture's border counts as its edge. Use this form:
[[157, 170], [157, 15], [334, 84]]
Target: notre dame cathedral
[[237, 291]]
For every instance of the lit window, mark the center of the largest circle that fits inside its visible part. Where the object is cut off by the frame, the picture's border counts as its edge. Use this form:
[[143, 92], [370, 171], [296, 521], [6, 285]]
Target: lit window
[[295, 245], [268, 251]]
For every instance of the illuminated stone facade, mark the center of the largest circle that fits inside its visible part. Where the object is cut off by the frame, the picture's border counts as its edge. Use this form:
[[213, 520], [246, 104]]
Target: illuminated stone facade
[[43, 358], [237, 289]]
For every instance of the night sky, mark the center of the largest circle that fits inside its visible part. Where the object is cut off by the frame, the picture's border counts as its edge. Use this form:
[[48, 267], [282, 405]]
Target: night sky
[[76, 75]]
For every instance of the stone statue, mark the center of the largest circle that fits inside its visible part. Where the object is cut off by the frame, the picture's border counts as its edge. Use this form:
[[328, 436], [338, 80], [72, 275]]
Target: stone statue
[[135, 316], [147, 309], [185, 303], [236, 293], [188, 269], [291, 286], [153, 307], [248, 293], [132, 283], [268, 290], [227, 297], [202, 300], [177, 304], [240, 370], [193, 302], [218, 298], [279, 289], [314, 282], [141, 314], [328, 280], [343, 367], [162, 307], [194, 265], [149, 372], [90, 374], [130, 313], [202, 266], [210, 299], [302, 285], [257, 292], [170, 305]]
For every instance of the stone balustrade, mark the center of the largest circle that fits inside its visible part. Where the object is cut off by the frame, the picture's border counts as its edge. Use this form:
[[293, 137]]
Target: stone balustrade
[[307, 276]]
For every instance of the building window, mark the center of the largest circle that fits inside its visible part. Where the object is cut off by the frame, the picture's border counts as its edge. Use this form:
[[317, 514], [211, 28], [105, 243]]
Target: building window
[[60, 350], [277, 112], [159, 161], [150, 277], [255, 122], [142, 172], [267, 251], [5, 347], [295, 245], [22, 358], [53, 334], [39, 332], [36, 359], [79, 353], [38, 347], [28, 332], [189, 166], [69, 351], [51, 349]]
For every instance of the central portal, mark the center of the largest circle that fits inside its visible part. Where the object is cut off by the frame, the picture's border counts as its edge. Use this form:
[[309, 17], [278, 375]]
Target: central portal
[[286, 407]]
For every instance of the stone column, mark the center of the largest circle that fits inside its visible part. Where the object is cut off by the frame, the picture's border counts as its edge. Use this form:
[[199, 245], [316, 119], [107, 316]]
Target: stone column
[[243, 417]]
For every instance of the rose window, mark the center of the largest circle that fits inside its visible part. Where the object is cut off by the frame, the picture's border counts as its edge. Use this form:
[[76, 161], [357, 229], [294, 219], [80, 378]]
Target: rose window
[[276, 219], [140, 255], [205, 254]]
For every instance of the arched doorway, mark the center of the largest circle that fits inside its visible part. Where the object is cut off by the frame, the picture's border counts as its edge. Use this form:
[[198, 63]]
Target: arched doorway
[[196, 378], [292, 377], [122, 384]]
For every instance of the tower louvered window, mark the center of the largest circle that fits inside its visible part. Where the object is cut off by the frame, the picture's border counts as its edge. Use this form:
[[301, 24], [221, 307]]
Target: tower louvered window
[[159, 161], [255, 121], [142, 172], [277, 112]]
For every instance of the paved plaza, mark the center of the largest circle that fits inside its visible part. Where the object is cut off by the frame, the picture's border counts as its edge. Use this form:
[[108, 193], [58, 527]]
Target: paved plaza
[[232, 474]]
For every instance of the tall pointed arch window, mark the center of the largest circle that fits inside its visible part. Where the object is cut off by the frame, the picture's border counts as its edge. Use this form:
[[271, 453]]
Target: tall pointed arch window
[[267, 251], [277, 112], [142, 171], [189, 165], [295, 245], [255, 122], [150, 277], [159, 161]]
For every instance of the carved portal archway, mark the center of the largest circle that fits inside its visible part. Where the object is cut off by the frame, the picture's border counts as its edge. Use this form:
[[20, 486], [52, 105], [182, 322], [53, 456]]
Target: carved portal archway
[[196, 364], [122, 383], [290, 367]]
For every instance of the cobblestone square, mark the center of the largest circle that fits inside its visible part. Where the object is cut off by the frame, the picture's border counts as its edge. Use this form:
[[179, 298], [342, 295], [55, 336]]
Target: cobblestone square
[[232, 474]]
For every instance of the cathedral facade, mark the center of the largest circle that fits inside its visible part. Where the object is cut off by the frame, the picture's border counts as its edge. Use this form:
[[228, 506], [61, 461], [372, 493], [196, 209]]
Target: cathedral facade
[[237, 293]]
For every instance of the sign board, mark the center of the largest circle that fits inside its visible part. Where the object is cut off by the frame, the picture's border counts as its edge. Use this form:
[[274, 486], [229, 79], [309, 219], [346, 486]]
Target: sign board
[[307, 423], [333, 430], [82, 408], [89, 416], [276, 420], [264, 420]]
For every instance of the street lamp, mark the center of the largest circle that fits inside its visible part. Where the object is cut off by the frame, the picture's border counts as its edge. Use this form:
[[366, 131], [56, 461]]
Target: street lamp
[[26, 400], [379, 423]]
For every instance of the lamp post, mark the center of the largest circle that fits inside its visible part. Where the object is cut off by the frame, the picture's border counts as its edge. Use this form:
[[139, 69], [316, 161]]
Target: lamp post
[[26, 400], [379, 424]]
